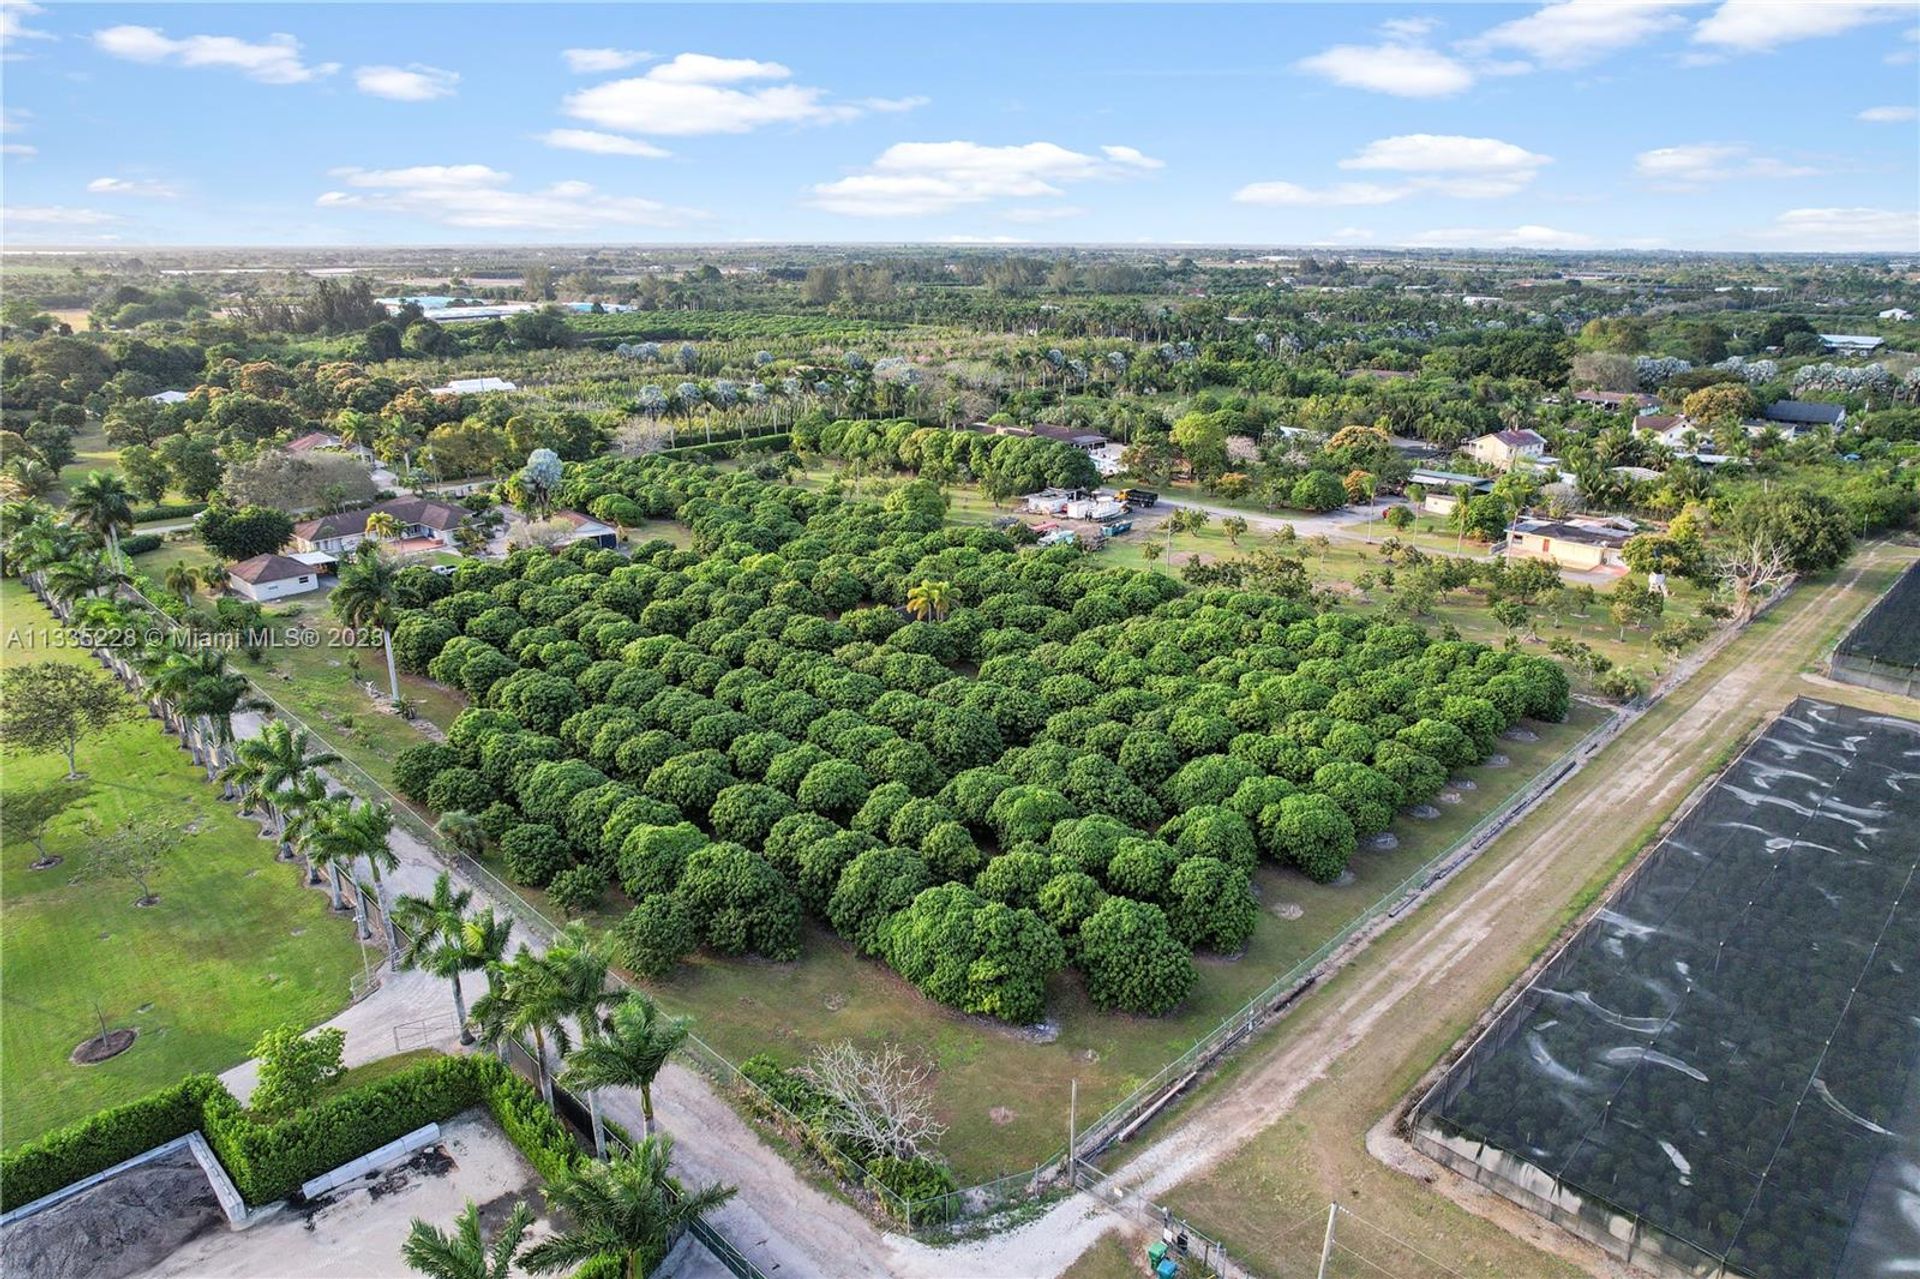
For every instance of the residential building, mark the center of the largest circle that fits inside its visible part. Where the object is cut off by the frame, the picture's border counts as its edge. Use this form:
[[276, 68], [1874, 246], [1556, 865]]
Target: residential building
[[272, 577], [1507, 449], [1580, 544], [1899, 313], [588, 529], [426, 525], [1670, 429], [1085, 441], [168, 397], [313, 440]]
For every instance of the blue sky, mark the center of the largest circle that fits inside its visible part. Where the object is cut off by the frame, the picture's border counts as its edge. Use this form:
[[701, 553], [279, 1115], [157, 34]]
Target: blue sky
[[1735, 124]]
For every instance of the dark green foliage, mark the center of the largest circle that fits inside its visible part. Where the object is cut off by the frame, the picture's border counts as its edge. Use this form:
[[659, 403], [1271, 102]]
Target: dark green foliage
[[951, 853], [1210, 905], [535, 853], [1215, 832], [655, 936], [1132, 960], [739, 905], [1141, 868], [834, 788], [415, 768], [653, 858], [98, 1142], [875, 886], [746, 813], [578, 889], [1014, 879], [978, 956], [1312, 833], [461, 788]]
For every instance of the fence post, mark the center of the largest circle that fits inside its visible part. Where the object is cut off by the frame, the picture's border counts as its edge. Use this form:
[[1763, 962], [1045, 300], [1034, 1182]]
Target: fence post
[[1326, 1247]]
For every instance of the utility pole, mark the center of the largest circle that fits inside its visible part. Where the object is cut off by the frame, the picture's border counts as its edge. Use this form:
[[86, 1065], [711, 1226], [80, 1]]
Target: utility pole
[[1326, 1248], [1073, 1107]]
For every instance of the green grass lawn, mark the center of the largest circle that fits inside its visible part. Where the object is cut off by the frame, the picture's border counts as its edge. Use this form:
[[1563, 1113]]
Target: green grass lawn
[[233, 947], [91, 452]]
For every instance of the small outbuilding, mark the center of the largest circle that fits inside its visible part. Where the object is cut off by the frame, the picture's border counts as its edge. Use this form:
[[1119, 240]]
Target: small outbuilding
[[272, 577]]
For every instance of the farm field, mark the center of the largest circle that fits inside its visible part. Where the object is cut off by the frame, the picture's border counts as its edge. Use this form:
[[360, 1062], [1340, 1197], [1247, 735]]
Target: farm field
[[1001, 1090], [1416, 992], [1725, 1052], [233, 947]]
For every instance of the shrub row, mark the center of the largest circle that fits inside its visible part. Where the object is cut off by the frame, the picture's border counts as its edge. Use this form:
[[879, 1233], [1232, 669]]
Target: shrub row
[[270, 1161], [167, 511]]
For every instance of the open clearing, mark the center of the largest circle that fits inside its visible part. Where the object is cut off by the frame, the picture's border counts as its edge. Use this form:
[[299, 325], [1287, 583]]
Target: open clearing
[[233, 947]]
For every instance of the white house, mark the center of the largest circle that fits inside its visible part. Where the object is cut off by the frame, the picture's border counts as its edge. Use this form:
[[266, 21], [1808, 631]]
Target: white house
[[272, 577], [588, 529], [1899, 313], [474, 386], [169, 397], [1670, 429], [1507, 449]]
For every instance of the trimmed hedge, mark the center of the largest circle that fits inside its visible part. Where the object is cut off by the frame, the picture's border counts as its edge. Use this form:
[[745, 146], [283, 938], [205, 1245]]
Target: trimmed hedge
[[141, 543], [101, 1140], [167, 511], [270, 1161]]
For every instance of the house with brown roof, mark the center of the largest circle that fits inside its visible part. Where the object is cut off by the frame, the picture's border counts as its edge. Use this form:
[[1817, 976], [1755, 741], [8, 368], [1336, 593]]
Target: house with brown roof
[[588, 529], [1670, 429], [272, 577], [313, 440], [425, 525]]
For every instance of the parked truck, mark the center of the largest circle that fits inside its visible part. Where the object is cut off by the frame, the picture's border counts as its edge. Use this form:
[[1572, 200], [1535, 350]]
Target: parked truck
[[1138, 499]]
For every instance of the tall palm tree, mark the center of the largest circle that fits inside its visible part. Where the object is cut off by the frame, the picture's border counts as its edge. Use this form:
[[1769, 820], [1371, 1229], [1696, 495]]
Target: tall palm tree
[[304, 804], [440, 938], [629, 1054], [103, 504], [28, 477], [931, 601], [370, 825], [216, 697], [265, 765], [462, 830], [182, 578], [463, 1252], [81, 576], [365, 596], [38, 542], [623, 1215], [542, 994]]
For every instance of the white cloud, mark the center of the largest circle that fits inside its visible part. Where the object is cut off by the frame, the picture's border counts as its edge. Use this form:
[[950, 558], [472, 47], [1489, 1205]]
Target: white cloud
[[894, 105], [597, 143], [591, 61], [275, 60], [19, 148], [695, 94], [1573, 33], [1845, 230], [149, 188], [1341, 193], [477, 197], [1398, 67], [1688, 168], [44, 215], [1436, 164], [1888, 115], [1519, 237], [13, 22], [1755, 26], [981, 239], [915, 178], [415, 82]]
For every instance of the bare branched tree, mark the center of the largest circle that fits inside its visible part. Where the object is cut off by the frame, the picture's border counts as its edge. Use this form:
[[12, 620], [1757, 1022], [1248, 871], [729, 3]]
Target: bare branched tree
[[1755, 569], [639, 437], [886, 1102]]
